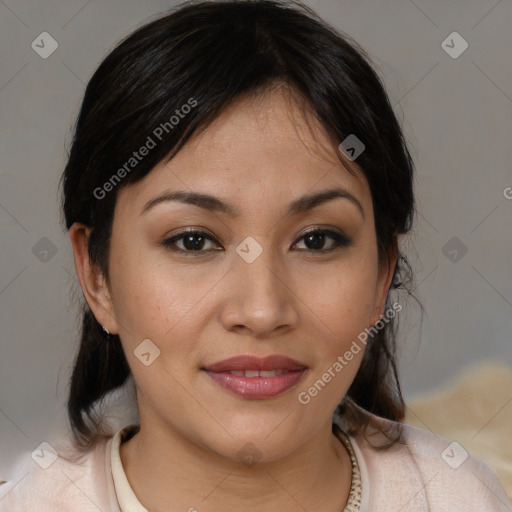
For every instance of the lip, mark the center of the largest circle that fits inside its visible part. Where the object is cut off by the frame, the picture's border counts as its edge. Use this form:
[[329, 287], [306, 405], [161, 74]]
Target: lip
[[256, 387], [248, 362]]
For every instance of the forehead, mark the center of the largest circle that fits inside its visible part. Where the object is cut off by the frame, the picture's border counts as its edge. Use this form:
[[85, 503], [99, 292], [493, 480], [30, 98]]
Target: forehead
[[266, 147]]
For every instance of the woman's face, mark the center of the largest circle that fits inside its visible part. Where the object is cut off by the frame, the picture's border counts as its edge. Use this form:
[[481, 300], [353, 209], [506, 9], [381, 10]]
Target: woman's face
[[254, 285]]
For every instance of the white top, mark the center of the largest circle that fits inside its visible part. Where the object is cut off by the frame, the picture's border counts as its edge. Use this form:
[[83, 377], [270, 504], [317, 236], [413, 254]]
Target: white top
[[424, 472], [127, 499]]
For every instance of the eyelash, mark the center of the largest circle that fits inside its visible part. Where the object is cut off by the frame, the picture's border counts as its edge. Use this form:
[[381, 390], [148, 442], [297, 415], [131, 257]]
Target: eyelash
[[339, 241]]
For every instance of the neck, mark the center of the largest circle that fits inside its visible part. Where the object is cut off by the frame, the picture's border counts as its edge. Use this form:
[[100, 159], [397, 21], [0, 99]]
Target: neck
[[168, 472]]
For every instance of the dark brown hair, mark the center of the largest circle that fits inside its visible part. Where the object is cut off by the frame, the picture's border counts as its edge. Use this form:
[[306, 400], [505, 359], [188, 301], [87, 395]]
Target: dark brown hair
[[211, 53]]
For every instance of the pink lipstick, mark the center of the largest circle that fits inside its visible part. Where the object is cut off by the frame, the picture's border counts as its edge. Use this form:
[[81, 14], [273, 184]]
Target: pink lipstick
[[255, 377]]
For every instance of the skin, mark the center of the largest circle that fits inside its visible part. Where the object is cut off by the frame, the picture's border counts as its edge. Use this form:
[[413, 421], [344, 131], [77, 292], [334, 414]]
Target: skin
[[260, 154]]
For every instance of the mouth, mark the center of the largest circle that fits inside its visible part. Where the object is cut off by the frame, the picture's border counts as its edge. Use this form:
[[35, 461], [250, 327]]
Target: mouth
[[253, 377], [258, 373]]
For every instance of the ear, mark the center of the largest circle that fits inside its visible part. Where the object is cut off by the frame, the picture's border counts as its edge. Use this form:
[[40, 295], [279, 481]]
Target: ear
[[92, 280], [385, 277]]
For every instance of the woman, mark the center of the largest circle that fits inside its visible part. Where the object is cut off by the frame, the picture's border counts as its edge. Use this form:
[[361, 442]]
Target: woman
[[235, 193]]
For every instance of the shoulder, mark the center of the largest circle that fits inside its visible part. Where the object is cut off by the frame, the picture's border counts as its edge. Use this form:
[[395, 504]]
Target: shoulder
[[425, 471], [59, 480]]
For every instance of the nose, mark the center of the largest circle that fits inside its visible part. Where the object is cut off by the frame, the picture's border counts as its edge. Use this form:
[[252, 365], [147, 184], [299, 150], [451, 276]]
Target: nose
[[260, 300]]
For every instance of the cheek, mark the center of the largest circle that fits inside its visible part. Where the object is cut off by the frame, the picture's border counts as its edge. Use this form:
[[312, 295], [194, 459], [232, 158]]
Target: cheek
[[343, 308], [151, 300], [343, 300], [152, 305]]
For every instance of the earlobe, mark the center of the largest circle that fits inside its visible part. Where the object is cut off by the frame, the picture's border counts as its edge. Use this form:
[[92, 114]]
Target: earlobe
[[92, 280], [386, 272]]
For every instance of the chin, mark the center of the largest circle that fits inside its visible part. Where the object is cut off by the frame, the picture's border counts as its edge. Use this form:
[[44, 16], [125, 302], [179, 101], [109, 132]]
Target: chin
[[266, 441]]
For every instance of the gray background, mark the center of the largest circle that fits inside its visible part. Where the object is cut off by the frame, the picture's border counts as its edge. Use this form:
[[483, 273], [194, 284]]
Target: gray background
[[457, 116]]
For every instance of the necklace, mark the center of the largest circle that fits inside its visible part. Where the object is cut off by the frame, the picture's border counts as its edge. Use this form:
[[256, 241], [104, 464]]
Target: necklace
[[354, 498]]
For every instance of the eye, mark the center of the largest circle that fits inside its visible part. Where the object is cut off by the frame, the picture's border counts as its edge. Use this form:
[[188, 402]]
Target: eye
[[192, 241], [315, 240], [195, 241]]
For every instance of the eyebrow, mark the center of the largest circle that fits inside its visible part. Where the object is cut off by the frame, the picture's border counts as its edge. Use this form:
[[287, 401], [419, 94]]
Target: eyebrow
[[214, 204]]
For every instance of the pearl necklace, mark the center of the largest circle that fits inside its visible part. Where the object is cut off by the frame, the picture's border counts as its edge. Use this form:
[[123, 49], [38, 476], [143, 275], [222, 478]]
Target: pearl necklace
[[354, 498]]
